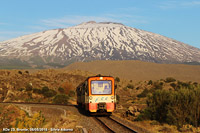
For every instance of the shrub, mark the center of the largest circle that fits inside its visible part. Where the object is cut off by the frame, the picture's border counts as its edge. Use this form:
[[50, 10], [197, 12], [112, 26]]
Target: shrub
[[125, 88], [20, 72], [117, 79], [117, 98], [61, 99], [138, 88], [30, 94], [195, 83], [67, 86], [61, 90], [177, 107], [158, 85], [130, 86], [150, 82], [50, 93], [186, 85], [20, 89], [173, 85], [35, 90], [170, 79], [161, 83], [71, 93], [144, 93], [28, 87], [27, 72], [115, 86], [45, 89], [36, 121]]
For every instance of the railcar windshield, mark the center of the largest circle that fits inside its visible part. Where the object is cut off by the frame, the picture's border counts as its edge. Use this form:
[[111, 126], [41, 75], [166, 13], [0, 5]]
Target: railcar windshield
[[101, 87]]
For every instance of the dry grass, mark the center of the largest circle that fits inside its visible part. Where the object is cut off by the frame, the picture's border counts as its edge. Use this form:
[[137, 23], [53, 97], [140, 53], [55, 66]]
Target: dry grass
[[138, 70], [54, 117]]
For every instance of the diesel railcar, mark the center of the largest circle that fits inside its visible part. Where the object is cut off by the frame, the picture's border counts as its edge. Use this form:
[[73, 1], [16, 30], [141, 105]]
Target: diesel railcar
[[97, 94]]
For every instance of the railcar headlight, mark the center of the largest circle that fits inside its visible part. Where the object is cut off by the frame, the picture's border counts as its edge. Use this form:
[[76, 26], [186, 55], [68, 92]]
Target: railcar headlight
[[112, 97], [90, 97]]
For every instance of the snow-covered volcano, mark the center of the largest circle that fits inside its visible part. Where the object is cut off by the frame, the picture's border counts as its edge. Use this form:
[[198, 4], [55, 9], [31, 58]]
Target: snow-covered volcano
[[96, 41]]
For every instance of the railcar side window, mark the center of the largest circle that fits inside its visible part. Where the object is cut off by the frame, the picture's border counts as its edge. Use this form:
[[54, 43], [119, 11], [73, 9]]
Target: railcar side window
[[83, 90], [101, 87]]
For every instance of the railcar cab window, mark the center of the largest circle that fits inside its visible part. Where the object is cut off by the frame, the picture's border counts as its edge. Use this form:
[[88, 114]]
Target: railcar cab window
[[101, 87]]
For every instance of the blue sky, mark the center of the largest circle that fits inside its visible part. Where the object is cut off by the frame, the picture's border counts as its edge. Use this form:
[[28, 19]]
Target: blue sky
[[177, 19]]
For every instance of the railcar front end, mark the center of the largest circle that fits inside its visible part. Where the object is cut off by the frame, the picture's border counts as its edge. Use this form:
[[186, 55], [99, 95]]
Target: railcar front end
[[97, 94]]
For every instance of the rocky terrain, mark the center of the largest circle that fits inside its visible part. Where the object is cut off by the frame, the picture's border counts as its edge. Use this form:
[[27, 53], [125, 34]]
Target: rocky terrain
[[93, 41], [43, 86], [37, 85]]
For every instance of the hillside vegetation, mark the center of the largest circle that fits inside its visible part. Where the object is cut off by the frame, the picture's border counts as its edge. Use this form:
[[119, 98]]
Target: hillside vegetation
[[165, 101], [48, 86]]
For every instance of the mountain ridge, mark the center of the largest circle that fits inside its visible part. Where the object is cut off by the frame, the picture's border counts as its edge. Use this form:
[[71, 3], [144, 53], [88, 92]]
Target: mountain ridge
[[96, 41]]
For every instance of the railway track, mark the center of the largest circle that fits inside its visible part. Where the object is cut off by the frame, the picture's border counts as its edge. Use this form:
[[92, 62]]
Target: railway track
[[106, 122], [37, 103], [111, 125]]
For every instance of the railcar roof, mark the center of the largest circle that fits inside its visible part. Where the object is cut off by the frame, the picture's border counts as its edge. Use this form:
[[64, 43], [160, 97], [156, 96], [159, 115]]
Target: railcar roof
[[99, 75]]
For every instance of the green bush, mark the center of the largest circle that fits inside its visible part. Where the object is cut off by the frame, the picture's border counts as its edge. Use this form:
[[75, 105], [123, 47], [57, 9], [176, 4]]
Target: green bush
[[61, 99], [186, 85], [50, 93], [177, 107], [45, 89], [117, 79], [170, 79]]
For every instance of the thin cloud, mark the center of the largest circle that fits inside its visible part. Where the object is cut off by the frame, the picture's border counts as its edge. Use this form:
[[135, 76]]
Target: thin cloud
[[1, 23], [168, 5], [129, 9], [192, 3], [67, 21], [75, 20], [37, 28], [178, 4]]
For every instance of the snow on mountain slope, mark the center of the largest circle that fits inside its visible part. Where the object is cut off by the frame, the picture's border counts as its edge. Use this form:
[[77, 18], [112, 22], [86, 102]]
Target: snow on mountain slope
[[97, 41]]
